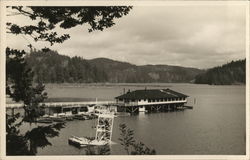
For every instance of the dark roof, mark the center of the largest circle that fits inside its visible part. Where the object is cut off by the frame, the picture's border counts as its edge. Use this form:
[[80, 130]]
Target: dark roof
[[151, 94]]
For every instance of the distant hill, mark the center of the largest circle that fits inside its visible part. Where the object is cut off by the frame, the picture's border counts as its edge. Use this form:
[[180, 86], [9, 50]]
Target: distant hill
[[227, 74], [51, 67]]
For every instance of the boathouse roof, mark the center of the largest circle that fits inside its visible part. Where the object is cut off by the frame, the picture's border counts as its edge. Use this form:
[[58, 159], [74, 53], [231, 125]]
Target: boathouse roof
[[151, 94]]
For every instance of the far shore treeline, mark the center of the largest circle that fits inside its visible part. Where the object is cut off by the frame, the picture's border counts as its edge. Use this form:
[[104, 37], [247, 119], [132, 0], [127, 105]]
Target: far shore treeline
[[51, 67], [227, 74]]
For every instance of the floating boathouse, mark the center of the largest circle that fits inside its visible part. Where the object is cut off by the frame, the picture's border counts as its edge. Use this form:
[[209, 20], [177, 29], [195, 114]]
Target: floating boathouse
[[150, 100]]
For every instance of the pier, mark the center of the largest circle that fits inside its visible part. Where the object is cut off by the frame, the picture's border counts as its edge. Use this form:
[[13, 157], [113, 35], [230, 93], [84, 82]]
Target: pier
[[67, 108], [64, 104], [156, 100]]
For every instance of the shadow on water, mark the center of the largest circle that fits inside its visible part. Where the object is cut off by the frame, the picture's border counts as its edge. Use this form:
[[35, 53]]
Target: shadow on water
[[27, 143]]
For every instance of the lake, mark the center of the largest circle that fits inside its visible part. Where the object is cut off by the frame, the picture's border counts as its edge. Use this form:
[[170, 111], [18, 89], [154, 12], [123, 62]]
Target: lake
[[215, 126]]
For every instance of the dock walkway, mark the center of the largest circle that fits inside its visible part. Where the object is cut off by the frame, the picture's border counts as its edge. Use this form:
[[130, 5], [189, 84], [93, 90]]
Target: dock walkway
[[73, 104]]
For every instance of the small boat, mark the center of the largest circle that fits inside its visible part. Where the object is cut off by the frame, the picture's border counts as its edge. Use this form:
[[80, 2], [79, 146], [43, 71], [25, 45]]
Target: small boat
[[58, 119], [69, 118], [180, 108], [44, 120], [79, 117], [189, 107]]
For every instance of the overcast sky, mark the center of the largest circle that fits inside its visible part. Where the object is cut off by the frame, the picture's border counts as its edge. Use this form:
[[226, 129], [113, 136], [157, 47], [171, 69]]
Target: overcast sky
[[191, 36]]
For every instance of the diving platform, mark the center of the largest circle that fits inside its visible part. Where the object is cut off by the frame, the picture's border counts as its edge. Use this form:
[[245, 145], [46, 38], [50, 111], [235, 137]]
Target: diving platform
[[103, 135]]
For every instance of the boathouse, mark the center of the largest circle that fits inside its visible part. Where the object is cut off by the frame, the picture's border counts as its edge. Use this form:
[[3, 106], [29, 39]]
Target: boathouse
[[150, 100]]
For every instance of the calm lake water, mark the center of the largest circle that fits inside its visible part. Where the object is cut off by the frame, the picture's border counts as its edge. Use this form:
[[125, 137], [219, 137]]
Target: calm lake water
[[215, 126]]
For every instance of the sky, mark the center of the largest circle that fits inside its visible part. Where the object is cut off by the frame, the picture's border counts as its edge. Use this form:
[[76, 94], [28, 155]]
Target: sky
[[200, 36]]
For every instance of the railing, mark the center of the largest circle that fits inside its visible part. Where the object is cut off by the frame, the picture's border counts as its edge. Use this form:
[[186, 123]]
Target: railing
[[151, 103], [131, 104]]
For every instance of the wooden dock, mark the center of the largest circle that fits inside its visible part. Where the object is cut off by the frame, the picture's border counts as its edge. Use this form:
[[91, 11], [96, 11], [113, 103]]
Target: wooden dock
[[68, 104]]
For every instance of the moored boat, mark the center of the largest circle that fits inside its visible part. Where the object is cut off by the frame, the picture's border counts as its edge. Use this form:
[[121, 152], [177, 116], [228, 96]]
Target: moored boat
[[79, 117], [44, 120]]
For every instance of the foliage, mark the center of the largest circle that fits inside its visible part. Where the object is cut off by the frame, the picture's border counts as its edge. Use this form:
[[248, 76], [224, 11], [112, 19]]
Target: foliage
[[52, 67], [19, 76], [99, 150], [141, 149], [130, 145], [37, 137], [19, 84], [227, 74], [19, 79], [48, 18], [127, 137], [27, 144], [16, 144]]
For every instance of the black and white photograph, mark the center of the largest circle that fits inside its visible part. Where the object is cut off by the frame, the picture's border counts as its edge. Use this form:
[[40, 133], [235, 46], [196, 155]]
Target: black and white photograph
[[127, 79]]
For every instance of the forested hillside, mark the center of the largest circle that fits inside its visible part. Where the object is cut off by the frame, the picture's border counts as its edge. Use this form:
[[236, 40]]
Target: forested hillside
[[51, 67], [230, 73]]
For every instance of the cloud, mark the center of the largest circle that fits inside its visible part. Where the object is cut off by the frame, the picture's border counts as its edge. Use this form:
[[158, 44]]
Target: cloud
[[194, 36]]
